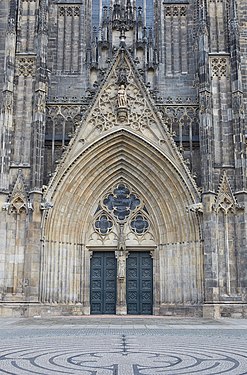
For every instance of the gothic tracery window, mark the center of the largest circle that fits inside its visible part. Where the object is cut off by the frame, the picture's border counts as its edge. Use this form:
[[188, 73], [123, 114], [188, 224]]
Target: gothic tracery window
[[121, 202], [103, 224], [121, 206], [139, 224]]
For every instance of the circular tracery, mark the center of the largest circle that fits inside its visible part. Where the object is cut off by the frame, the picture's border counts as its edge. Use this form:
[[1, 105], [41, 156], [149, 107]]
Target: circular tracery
[[103, 224], [121, 202], [139, 224], [119, 206]]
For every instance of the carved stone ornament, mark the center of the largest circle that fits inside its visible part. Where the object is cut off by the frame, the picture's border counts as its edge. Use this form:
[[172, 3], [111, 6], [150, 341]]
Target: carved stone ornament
[[120, 219], [18, 201], [219, 67], [196, 207], [8, 101], [40, 104], [45, 205], [121, 103], [25, 66], [122, 97], [181, 115], [175, 10], [69, 11], [225, 200], [205, 102]]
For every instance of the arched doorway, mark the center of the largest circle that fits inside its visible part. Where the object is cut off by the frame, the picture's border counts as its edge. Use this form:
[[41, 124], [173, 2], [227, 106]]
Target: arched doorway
[[121, 280], [71, 228]]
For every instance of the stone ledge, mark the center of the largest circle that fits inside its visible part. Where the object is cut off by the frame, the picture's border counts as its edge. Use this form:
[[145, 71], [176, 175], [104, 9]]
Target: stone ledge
[[225, 310], [38, 309], [181, 310]]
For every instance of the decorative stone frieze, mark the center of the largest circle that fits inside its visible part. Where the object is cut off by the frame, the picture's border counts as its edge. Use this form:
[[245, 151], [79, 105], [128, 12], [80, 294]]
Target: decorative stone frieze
[[70, 11], [219, 67], [181, 114], [65, 110], [25, 66], [175, 10]]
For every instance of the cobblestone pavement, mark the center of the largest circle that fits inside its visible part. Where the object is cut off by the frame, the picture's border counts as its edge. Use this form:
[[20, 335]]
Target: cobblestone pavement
[[122, 346]]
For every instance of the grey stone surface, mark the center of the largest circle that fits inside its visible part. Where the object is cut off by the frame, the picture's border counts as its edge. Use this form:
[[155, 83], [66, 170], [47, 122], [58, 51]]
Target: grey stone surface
[[122, 346], [179, 141]]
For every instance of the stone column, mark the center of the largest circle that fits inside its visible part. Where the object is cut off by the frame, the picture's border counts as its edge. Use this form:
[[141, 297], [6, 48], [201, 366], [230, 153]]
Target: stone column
[[211, 292], [121, 308], [33, 248], [241, 245]]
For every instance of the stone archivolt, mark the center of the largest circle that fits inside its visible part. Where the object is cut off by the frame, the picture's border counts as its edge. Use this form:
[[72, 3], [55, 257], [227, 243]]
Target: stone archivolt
[[118, 156]]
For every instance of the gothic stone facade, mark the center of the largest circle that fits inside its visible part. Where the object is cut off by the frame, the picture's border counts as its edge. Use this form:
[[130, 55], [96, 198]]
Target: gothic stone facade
[[123, 157]]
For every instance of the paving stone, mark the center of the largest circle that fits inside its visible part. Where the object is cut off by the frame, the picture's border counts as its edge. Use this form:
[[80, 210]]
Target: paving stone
[[87, 347]]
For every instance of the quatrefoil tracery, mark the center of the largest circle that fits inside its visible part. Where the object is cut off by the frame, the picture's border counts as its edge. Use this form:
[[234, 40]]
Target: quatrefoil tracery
[[121, 205]]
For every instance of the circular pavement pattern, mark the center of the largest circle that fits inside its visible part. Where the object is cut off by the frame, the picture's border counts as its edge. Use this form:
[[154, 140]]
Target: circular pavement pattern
[[101, 352]]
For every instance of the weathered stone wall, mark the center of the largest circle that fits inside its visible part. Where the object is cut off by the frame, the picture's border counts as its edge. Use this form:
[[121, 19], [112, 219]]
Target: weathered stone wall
[[69, 30], [242, 15], [177, 46], [182, 122], [4, 12]]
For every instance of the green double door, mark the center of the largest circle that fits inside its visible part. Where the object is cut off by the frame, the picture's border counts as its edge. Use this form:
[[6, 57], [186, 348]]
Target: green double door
[[139, 283], [103, 285]]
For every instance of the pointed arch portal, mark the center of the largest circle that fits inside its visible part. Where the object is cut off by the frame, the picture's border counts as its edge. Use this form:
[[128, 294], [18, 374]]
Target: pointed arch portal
[[71, 238]]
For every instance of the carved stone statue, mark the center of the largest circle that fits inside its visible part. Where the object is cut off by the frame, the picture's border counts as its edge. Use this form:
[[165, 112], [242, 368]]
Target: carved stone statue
[[121, 267], [122, 97]]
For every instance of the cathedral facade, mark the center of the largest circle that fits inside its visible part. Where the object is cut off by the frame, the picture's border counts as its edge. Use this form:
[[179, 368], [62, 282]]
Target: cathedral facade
[[123, 157]]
